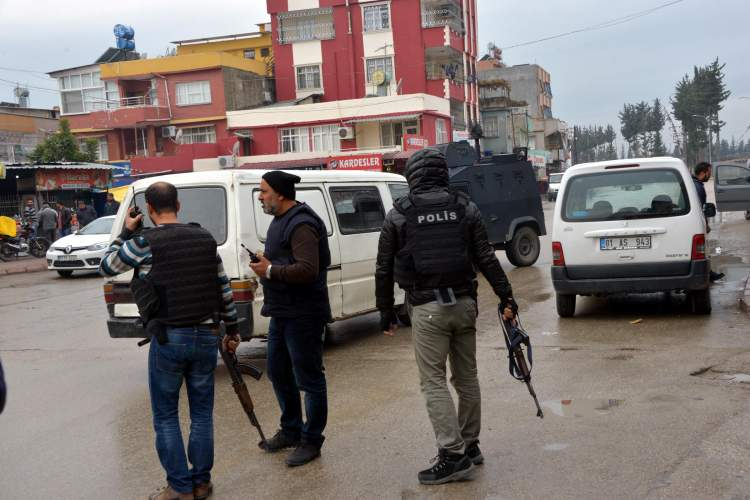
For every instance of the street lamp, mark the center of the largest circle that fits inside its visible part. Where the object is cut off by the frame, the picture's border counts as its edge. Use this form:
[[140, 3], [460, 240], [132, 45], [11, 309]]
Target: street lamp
[[708, 131]]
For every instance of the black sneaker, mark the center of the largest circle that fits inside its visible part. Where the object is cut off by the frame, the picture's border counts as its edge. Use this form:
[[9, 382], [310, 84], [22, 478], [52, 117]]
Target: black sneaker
[[475, 454], [715, 276], [302, 454], [448, 467], [279, 441]]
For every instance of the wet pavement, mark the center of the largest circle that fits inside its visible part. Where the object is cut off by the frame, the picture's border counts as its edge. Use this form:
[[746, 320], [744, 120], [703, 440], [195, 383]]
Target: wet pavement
[[656, 408]]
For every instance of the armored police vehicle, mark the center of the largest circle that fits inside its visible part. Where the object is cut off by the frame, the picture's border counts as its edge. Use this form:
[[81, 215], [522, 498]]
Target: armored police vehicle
[[505, 190]]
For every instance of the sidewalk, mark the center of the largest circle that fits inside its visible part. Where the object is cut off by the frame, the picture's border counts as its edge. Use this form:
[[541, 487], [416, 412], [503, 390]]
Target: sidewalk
[[23, 265]]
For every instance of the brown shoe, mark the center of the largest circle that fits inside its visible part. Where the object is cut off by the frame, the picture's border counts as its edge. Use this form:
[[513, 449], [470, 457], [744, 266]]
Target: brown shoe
[[203, 491], [167, 493]]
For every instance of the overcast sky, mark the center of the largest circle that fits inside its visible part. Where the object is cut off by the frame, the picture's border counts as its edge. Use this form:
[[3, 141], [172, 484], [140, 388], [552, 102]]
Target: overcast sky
[[593, 73]]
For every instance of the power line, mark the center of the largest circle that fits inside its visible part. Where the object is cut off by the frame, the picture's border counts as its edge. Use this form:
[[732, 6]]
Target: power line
[[602, 25], [15, 83]]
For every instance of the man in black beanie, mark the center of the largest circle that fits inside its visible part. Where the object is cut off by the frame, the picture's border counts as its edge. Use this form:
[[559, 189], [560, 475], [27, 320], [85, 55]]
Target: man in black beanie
[[293, 272]]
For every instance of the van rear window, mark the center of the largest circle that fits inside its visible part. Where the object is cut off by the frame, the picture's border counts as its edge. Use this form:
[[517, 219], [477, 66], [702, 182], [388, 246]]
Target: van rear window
[[620, 195], [205, 205]]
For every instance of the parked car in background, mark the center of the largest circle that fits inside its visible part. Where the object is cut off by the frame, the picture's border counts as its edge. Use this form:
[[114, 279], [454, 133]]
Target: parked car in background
[[630, 226], [554, 186], [82, 250]]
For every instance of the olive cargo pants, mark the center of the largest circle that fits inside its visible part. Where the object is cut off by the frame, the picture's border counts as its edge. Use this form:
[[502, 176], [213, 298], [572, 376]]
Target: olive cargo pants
[[449, 333]]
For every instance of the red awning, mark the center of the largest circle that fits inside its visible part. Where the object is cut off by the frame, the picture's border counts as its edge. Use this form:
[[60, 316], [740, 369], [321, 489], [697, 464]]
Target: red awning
[[287, 164], [399, 155]]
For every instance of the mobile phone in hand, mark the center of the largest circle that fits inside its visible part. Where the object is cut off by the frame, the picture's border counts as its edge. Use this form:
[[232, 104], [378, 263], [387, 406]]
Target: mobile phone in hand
[[253, 258]]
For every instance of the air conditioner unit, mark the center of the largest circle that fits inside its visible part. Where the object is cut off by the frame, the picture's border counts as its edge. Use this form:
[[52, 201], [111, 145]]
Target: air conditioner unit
[[226, 161], [346, 132], [168, 132]]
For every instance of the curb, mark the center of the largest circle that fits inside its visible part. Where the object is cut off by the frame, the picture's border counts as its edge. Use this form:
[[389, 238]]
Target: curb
[[31, 267], [745, 295]]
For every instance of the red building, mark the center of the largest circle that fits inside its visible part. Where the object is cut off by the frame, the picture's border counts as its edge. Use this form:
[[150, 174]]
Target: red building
[[355, 75], [160, 114]]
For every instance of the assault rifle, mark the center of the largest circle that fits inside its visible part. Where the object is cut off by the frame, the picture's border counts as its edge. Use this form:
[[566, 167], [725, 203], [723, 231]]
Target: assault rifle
[[236, 369], [515, 338]]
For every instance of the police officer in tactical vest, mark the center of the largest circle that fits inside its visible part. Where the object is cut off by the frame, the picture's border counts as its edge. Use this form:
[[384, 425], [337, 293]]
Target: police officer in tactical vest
[[183, 285], [431, 243], [293, 271]]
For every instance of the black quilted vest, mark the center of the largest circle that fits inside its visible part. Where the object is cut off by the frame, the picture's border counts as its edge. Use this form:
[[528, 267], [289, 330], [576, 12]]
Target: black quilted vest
[[286, 300]]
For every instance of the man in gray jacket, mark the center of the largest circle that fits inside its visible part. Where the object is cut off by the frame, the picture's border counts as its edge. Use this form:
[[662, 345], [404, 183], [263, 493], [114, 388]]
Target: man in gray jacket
[[431, 244], [47, 222]]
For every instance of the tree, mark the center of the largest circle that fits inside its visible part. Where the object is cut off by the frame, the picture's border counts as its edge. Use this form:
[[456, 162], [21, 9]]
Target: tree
[[62, 146], [641, 126], [696, 104], [656, 122]]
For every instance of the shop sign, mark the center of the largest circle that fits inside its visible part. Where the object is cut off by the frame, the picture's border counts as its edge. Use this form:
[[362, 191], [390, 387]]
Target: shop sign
[[53, 180], [356, 162], [413, 142]]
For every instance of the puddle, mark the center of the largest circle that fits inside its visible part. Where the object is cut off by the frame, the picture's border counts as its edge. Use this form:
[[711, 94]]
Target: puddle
[[619, 357], [549, 334], [564, 349], [556, 447], [737, 378], [582, 407]]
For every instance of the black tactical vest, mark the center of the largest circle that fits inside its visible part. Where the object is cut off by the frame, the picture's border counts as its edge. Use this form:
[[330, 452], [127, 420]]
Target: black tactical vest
[[287, 300], [184, 273], [436, 249]]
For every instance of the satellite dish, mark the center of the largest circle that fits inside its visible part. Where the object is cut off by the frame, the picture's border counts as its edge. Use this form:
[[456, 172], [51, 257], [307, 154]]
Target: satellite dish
[[378, 77]]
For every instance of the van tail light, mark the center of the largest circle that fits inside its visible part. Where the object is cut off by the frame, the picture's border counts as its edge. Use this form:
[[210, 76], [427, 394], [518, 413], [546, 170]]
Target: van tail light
[[558, 257], [699, 247], [244, 290], [109, 293]]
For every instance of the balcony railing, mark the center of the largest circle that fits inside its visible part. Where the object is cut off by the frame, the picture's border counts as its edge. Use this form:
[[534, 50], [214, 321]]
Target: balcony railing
[[125, 102], [442, 13], [453, 71]]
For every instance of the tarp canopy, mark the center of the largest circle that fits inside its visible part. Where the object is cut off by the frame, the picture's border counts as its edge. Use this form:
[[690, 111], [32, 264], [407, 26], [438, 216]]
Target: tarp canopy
[[119, 192]]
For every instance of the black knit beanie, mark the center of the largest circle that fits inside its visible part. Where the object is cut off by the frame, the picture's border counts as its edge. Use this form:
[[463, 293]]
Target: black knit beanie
[[282, 182]]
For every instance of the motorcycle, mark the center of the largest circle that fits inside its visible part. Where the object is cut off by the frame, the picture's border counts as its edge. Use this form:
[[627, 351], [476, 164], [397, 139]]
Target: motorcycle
[[23, 244]]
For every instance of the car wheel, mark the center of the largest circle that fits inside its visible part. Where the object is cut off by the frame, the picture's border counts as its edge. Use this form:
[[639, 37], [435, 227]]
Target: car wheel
[[65, 274], [404, 313], [523, 249], [566, 305], [700, 301]]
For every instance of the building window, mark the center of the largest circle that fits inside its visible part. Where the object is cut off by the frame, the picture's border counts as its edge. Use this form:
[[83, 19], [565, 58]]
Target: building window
[[308, 77], [198, 135], [294, 140], [326, 138], [81, 92], [377, 17], [376, 65], [265, 52], [102, 152], [492, 126], [392, 133], [190, 93], [441, 131], [112, 94], [249, 53], [304, 25]]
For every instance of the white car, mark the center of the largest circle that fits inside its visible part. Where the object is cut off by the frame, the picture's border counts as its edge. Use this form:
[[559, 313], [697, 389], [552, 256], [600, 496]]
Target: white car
[[554, 186], [82, 250], [630, 226]]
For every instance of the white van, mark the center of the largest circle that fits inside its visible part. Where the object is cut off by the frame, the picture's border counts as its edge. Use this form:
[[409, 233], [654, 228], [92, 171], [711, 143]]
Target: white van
[[554, 186], [630, 226], [352, 205]]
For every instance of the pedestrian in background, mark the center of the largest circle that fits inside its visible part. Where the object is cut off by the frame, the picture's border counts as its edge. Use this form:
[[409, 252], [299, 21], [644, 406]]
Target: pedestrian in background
[[180, 261], [431, 244], [64, 219], [293, 271], [701, 175], [85, 214], [111, 206], [47, 223], [30, 216]]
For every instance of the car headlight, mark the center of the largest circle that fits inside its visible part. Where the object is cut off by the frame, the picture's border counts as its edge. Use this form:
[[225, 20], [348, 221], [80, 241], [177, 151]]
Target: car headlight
[[98, 246]]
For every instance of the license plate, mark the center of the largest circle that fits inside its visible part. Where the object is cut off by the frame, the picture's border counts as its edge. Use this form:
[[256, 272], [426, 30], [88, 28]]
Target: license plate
[[627, 243], [67, 257]]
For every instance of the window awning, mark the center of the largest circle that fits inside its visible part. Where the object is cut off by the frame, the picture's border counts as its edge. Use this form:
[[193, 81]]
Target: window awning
[[386, 118]]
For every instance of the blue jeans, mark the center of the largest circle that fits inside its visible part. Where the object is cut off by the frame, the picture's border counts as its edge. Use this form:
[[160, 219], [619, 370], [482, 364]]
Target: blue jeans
[[191, 355], [295, 362]]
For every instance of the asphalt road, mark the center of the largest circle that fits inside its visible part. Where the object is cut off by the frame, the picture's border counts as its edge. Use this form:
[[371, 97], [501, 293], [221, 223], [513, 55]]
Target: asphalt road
[[652, 409]]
